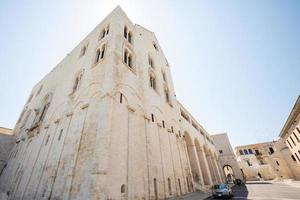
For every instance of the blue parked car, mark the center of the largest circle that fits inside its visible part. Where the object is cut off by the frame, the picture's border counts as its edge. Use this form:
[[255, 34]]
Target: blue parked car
[[222, 191]]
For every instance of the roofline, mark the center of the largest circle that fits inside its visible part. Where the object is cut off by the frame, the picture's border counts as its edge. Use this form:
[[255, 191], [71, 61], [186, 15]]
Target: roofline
[[261, 143], [293, 114], [6, 128]]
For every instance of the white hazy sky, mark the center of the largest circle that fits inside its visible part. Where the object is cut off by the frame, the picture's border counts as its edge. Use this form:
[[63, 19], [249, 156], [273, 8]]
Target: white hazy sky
[[235, 64]]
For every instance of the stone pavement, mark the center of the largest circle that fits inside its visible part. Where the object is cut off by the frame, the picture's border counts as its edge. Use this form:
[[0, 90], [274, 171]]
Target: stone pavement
[[292, 183]]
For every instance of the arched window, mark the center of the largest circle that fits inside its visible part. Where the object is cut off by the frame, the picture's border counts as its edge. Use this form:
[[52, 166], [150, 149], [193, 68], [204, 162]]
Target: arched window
[[127, 58], [152, 82], [123, 188], [100, 53], [83, 50], [77, 81], [104, 32], [127, 35], [167, 95], [150, 60], [41, 112]]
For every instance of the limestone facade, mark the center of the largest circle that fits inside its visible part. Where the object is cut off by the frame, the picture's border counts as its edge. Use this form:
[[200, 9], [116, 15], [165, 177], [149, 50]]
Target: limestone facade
[[105, 124], [265, 161], [227, 158], [290, 134]]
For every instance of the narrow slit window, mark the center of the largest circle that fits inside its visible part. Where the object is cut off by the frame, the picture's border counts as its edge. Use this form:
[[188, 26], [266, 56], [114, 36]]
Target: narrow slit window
[[152, 117], [293, 140], [167, 95], [97, 56], [169, 186], [47, 140], [125, 32], [121, 98], [296, 137], [129, 37], [83, 50], [125, 57], [129, 61], [297, 157], [102, 52], [103, 33], [164, 76], [289, 144], [155, 46], [153, 82], [155, 189], [60, 134]]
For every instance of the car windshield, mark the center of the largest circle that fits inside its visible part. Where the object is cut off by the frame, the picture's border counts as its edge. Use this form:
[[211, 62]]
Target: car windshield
[[221, 186]]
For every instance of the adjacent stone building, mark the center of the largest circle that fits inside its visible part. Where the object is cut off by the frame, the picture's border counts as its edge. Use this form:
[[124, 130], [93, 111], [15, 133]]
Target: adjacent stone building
[[290, 134], [7, 141], [227, 158], [105, 124], [264, 161]]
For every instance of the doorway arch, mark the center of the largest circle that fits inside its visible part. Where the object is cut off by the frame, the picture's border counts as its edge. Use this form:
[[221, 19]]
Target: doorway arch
[[228, 171], [192, 155]]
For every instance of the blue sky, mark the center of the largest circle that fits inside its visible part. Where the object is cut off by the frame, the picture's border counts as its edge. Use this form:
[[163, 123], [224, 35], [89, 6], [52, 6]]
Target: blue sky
[[235, 64]]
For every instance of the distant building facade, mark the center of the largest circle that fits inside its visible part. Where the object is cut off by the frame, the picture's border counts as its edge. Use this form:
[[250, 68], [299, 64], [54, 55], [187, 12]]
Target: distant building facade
[[7, 141], [263, 161], [227, 158], [290, 134], [105, 124]]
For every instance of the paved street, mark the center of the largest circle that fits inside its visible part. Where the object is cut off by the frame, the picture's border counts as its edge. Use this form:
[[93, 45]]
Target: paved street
[[266, 191]]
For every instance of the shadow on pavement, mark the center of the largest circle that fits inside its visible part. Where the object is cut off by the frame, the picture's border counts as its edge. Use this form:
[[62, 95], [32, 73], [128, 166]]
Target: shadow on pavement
[[240, 192]]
